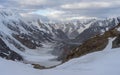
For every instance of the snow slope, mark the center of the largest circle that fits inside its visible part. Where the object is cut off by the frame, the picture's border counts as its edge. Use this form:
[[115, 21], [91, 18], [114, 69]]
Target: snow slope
[[12, 23], [41, 56], [104, 62]]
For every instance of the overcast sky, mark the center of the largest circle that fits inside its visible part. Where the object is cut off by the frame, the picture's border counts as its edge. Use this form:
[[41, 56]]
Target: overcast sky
[[66, 9]]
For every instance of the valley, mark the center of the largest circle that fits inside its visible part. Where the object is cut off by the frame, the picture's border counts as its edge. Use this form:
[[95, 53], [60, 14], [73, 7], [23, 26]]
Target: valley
[[74, 47]]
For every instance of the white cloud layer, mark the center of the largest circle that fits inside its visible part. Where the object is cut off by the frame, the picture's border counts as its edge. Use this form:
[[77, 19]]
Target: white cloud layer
[[31, 2], [86, 5], [66, 9]]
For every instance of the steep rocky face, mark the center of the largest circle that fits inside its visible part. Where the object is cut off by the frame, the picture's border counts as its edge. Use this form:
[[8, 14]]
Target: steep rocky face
[[25, 35], [96, 43], [19, 32], [26, 41], [68, 30], [5, 52], [78, 30], [116, 42], [18, 36], [54, 31], [71, 34], [97, 27]]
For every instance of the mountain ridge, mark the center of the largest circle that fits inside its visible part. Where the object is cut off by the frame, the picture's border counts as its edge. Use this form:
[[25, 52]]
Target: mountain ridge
[[34, 37]]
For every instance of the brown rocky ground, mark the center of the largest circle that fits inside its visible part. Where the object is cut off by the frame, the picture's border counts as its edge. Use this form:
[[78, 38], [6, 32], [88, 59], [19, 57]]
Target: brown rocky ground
[[96, 43]]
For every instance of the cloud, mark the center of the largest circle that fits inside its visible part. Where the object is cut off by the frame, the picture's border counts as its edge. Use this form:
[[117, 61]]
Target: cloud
[[50, 13], [92, 5], [55, 14], [86, 5], [80, 18], [32, 2], [1, 6], [66, 9]]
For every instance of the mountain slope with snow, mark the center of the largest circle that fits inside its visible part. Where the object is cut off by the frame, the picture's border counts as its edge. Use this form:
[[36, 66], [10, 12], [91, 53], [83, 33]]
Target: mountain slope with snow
[[25, 40], [96, 43], [97, 63], [16, 29], [34, 41], [77, 29]]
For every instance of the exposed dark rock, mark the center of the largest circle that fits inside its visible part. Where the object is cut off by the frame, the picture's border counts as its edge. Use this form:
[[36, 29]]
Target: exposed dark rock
[[116, 42], [95, 29], [24, 39], [18, 46], [61, 35], [97, 43], [91, 45], [62, 49], [37, 66], [11, 41], [5, 52]]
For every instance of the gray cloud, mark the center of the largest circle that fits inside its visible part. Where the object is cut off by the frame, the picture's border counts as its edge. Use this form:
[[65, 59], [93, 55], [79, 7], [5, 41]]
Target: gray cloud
[[64, 9]]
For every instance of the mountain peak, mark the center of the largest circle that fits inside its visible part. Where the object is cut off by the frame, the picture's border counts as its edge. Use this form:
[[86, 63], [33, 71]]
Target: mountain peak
[[8, 12]]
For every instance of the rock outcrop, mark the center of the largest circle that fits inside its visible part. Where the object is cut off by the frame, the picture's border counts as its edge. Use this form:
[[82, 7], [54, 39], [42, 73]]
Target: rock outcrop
[[96, 43], [5, 52]]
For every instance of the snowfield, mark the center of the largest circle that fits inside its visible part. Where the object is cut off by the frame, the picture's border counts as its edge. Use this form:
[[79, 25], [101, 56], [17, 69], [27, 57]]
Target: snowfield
[[104, 62], [41, 56]]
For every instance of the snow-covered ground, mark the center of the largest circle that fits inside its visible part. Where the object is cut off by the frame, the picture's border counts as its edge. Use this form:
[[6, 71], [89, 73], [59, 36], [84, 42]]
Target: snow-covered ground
[[104, 62], [41, 56], [10, 22]]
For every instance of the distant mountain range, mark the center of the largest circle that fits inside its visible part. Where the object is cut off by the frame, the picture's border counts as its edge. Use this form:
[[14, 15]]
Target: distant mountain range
[[18, 34]]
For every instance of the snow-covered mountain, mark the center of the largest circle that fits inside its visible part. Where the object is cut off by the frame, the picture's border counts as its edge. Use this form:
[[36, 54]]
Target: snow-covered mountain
[[64, 30], [97, 63], [97, 27], [77, 29], [96, 43], [36, 42], [20, 39], [88, 29], [15, 28]]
